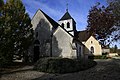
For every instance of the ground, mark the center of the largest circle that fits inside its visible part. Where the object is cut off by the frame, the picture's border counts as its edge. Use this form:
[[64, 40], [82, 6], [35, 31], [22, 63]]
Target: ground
[[104, 70]]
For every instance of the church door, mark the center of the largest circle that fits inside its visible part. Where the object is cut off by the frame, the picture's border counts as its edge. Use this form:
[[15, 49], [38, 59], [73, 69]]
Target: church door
[[36, 53]]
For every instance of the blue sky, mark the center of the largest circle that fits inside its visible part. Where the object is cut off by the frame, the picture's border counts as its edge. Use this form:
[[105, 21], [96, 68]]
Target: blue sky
[[56, 8]]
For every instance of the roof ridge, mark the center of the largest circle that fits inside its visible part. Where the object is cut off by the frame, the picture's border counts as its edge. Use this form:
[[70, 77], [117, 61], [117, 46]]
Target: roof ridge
[[52, 21], [66, 16]]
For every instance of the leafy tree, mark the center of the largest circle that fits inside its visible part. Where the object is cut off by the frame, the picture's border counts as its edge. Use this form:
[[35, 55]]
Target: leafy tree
[[100, 22], [17, 33], [114, 6], [1, 23], [114, 49], [1, 3]]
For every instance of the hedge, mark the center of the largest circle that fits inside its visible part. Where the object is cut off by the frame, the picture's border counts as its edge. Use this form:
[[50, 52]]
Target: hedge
[[61, 65]]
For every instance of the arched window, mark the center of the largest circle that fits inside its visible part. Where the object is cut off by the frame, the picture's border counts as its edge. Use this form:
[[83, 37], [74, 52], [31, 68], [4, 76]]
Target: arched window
[[92, 49], [91, 42], [68, 25], [63, 25]]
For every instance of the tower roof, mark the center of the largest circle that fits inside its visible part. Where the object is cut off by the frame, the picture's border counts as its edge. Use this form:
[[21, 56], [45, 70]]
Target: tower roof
[[66, 16]]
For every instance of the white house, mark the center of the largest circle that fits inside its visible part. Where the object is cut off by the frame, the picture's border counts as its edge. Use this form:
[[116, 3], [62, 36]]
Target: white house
[[92, 45]]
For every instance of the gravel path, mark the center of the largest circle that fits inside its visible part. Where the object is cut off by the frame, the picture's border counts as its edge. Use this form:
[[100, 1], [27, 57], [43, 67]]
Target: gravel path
[[25, 73], [104, 70]]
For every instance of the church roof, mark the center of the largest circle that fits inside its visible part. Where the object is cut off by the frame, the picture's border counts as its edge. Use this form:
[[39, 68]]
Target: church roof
[[66, 16], [83, 35], [54, 23]]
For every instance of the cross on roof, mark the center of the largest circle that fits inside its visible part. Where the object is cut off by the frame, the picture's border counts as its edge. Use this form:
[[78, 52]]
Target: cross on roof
[[67, 7]]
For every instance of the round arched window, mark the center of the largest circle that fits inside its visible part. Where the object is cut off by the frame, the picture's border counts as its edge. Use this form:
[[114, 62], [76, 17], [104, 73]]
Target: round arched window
[[63, 25], [68, 25], [92, 49]]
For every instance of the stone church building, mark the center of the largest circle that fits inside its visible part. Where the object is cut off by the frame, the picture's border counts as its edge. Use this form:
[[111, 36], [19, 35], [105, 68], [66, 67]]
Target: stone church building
[[56, 39]]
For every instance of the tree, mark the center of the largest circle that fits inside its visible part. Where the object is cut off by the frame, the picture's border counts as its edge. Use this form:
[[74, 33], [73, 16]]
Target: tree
[[100, 22], [115, 48], [17, 33], [1, 3], [114, 6]]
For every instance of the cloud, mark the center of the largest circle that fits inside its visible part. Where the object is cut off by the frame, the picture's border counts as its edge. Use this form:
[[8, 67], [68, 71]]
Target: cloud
[[33, 5], [56, 10]]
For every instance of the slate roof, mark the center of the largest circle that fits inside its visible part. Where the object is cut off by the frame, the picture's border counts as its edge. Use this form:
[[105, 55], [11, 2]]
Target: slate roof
[[83, 35], [66, 16], [54, 23]]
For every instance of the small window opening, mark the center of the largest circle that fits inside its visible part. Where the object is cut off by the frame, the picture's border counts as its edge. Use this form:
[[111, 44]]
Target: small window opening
[[68, 25], [63, 25]]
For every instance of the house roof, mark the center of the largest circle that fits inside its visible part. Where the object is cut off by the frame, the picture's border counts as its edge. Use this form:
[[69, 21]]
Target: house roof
[[54, 23], [76, 40], [83, 35], [66, 16]]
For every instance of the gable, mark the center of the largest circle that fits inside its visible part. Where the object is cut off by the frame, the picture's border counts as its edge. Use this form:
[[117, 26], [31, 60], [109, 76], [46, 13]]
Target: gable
[[41, 15], [60, 29], [92, 40], [92, 43], [53, 23]]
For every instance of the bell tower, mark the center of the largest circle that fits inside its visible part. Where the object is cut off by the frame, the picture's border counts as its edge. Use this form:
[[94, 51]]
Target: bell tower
[[68, 23]]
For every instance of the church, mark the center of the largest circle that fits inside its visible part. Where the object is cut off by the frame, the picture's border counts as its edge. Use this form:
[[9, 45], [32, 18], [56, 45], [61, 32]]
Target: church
[[60, 39]]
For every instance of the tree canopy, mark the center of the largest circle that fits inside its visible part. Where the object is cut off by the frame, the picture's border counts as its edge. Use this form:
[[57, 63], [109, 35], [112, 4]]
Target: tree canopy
[[100, 22], [16, 32], [114, 6]]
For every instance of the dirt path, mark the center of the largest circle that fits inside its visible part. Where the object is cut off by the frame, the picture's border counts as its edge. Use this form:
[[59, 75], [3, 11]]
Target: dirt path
[[104, 70]]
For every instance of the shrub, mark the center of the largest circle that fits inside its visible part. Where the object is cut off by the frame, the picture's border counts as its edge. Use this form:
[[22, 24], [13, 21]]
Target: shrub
[[60, 65], [5, 62], [100, 57]]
